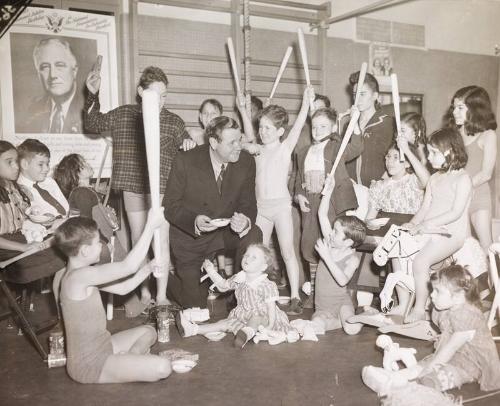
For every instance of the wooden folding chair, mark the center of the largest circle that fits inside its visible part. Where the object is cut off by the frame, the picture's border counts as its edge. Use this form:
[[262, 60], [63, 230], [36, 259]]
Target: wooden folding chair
[[19, 310], [494, 253]]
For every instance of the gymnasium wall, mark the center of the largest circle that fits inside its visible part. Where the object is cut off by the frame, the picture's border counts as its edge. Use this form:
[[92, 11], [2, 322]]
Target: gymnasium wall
[[194, 56]]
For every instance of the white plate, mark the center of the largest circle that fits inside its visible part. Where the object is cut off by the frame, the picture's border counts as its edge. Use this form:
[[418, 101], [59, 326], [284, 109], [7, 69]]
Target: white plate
[[39, 218], [181, 366], [215, 336], [220, 222], [377, 223]]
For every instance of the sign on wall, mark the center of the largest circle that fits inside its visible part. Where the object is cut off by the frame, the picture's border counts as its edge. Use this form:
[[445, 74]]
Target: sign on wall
[[46, 56]]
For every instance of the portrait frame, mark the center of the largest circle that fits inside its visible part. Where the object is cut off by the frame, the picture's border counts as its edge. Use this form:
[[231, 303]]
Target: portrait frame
[[21, 87]]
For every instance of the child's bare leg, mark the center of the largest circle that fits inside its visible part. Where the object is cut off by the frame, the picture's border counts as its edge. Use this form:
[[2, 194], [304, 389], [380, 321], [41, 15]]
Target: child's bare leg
[[221, 325], [56, 286], [136, 340], [161, 283], [120, 368], [481, 221], [433, 252], [137, 221], [284, 231], [266, 226], [403, 293]]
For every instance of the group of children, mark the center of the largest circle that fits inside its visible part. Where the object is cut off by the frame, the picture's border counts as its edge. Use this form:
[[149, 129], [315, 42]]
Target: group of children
[[330, 233]]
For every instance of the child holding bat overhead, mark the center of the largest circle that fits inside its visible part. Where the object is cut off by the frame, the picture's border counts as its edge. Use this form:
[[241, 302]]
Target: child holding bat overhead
[[314, 163], [273, 159], [377, 129], [130, 171]]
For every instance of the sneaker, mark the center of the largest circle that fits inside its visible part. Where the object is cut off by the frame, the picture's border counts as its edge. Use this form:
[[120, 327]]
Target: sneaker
[[296, 307], [185, 327], [196, 315]]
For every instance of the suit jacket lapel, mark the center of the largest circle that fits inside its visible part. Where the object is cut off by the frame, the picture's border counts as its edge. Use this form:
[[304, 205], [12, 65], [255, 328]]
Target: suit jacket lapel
[[205, 165]]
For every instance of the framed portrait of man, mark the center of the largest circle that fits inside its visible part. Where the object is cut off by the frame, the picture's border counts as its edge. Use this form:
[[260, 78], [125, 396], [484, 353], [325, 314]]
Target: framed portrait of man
[[46, 56]]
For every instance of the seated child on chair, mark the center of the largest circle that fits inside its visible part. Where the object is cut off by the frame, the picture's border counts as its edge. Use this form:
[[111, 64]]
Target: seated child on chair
[[43, 191], [256, 296], [332, 301], [13, 204], [465, 350], [71, 172], [94, 355]]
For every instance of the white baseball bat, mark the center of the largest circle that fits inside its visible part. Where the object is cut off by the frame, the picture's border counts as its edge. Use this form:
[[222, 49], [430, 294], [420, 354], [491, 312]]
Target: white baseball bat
[[343, 145], [397, 114], [151, 119], [361, 80], [234, 64], [281, 70], [303, 53]]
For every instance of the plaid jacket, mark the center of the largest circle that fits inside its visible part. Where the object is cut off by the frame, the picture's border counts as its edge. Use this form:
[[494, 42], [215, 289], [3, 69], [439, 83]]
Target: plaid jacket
[[130, 168]]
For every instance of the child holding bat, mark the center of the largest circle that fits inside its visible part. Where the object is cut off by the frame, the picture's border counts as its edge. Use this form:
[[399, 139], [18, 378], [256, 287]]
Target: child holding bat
[[130, 171], [377, 129], [313, 164], [273, 198], [94, 354]]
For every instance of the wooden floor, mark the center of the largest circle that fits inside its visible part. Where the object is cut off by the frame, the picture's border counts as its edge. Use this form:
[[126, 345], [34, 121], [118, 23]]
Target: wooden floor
[[304, 373]]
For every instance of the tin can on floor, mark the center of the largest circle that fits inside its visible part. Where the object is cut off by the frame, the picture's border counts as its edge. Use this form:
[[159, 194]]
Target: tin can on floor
[[163, 327], [56, 343], [56, 360]]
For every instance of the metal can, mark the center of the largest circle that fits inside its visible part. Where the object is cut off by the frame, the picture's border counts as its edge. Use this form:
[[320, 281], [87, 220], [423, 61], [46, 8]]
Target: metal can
[[56, 343], [163, 326], [56, 360]]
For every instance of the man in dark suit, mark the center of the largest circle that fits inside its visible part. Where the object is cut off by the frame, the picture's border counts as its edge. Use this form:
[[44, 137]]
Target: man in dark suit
[[214, 181], [59, 110]]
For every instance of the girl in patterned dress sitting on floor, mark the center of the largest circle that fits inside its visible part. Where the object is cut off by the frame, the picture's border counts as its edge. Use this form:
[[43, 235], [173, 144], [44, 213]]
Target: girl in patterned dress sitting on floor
[[256, 296]]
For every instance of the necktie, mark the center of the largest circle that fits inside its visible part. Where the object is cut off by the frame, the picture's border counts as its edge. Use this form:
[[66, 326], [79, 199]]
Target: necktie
[[50, 199], [56, 125], [220, 177]]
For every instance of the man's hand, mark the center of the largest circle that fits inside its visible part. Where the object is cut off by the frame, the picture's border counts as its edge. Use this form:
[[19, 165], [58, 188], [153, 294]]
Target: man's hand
[[239, 222], [303, 203], [188, 144], [203, 224], [93, 81]]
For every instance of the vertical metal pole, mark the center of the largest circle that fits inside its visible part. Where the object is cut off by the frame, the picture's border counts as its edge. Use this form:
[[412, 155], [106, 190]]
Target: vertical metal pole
[[246, 36]]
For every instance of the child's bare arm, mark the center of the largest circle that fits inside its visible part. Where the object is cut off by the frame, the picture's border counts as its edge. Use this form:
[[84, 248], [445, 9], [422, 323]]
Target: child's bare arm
[[293, 136], [420, 170], [222, 284], [271, 313], [340, 276], [447, 350], [489, 141], [102, 274], [324, 205], [420, 215], [6, 244], [129, 284], [247, 122], [463, 190]]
